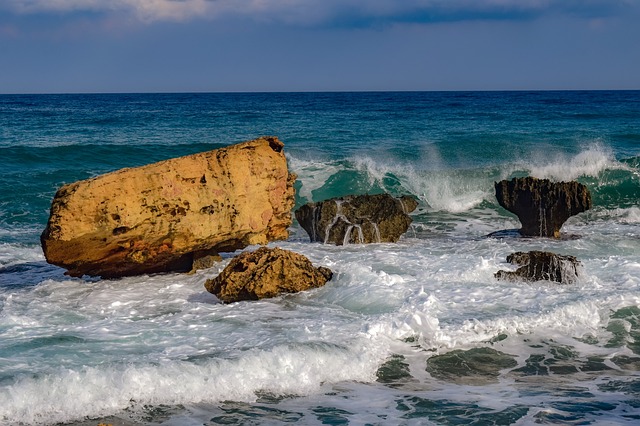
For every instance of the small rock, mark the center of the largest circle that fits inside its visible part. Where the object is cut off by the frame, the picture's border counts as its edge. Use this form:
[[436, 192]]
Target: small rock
[[541, 266], [357, 219], [266, 272]]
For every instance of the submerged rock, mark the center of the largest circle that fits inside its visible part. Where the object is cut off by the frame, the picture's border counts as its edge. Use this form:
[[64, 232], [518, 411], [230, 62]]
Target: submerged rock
[[542, 206], [541, 266], [395, 372], [357, 219], [475, 366], [163, 216], [266, 273]]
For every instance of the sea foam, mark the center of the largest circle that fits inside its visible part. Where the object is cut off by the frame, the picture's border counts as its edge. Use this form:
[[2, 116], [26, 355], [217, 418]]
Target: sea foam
[[70, 394]]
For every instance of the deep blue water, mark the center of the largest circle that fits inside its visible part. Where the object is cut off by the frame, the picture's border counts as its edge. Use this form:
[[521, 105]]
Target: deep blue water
[[136, 350]]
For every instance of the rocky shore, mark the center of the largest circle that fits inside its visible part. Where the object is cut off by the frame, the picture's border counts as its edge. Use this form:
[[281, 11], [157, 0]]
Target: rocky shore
[[178, 215]]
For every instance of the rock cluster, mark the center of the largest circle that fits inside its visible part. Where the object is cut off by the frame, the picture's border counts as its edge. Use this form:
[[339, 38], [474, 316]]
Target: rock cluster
[[266, 273], [357, 219], [164, 216], [541, 205], [178, 214], [541, 266]]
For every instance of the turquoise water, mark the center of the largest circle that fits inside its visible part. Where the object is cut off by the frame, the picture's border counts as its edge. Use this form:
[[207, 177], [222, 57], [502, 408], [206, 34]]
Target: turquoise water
[[160, 350]]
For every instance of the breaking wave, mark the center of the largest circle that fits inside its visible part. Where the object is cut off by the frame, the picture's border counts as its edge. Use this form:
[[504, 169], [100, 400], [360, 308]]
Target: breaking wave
[[613, 183]]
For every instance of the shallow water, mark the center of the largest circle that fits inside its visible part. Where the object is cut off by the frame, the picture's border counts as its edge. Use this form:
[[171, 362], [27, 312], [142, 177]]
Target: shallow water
[[361, 350]]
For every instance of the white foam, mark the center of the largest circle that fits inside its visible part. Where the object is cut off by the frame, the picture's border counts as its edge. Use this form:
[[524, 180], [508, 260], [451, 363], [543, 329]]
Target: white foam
[[630, 215], [73, 394], [12, 254], [590, 162]]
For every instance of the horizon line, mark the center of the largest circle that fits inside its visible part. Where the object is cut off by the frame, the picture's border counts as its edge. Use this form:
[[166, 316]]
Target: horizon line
[[187, 92]]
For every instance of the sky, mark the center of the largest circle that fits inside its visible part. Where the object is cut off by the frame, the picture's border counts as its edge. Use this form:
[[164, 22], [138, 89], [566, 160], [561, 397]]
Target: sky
[[96, 46]]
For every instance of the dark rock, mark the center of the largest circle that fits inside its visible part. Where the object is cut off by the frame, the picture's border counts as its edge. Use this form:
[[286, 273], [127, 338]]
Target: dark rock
[[204, 259], [541, 205], [266, 273], [357, 219], [395, 372], [476, 366], [541, 266]]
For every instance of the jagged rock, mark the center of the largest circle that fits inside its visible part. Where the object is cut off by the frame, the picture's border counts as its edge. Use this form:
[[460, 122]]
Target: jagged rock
[[477, 366], [541, 266], [162, 216], [357, 219], [266, 273], [541, 205]]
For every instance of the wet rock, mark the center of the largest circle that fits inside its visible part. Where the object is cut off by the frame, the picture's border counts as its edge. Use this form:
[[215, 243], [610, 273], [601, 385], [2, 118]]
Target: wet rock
[[266, 273], [204, 260], [475, 366], [395, 372], [542, 206], [541, 266], [160, 217], [357, 219]]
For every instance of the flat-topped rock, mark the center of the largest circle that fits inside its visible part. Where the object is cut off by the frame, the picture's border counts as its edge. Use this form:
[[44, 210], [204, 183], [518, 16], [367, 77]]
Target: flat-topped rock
[[163, 216], [542, 206], [357, 219]]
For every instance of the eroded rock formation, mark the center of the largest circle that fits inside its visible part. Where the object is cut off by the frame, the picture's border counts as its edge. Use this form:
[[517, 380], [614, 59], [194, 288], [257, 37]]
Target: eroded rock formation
[[266, 273], [357, 219], [541, 266], [164, 216], [541, 205]]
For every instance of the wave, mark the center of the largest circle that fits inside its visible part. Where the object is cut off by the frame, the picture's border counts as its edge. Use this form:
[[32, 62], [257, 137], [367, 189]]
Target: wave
[[613, 183], [591, 162], [453, 190], [11, 254], [75, 394]]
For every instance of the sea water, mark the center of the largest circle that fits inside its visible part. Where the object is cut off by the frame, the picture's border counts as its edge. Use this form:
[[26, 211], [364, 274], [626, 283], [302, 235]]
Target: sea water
[[160, 350]]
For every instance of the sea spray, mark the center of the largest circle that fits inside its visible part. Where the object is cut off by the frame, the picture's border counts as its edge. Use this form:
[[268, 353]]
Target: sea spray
[[591, 162]]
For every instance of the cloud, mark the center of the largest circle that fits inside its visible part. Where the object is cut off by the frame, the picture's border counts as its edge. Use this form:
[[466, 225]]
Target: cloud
[[144, 10], [327, 12]]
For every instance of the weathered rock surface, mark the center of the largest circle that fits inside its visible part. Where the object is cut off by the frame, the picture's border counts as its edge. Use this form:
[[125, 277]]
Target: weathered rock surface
[[541, 266], [357, 219], [541, 205], [477, 366], [266, 273], [163, 216]]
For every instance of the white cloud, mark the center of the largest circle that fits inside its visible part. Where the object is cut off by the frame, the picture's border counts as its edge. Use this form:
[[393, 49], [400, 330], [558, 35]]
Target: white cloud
[[145, 10]]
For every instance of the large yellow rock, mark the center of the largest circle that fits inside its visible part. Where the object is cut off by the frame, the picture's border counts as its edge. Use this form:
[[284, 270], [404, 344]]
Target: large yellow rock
[[163, 216]]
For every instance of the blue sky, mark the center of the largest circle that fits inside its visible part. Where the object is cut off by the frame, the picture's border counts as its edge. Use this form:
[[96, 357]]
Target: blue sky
[[317, 45]]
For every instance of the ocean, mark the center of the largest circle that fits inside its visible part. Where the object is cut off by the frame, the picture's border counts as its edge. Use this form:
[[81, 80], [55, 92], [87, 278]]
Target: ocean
[[413, 333]]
